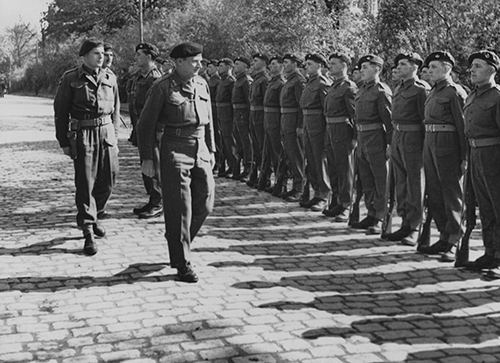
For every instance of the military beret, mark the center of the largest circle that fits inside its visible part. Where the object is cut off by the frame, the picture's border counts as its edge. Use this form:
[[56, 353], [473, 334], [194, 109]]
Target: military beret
[[293, 58], [412, 57], [371, 58], [264, 57], [244, 60], [186, 50], [88, 45], [486, 55], [318, 58], [148, 49], [276, 58], [342, 56], [227, 61], [107, 47], [355, 68], [441, 56], [213, 61]]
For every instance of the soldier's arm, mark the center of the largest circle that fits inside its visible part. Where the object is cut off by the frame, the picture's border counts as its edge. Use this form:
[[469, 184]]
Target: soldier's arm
[[146, 125], [263, 87], [245, 89], [116, 110], [457, 105], [299, 88], [384, 104], [62, 106], [421, 97], [349, 99], [209, 128]]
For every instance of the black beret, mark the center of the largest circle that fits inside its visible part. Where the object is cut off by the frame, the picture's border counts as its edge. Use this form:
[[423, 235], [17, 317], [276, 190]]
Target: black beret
[[293, 58], [371, 58], [148, 49], [107, 47], [486, 55], [442, 56], [264, 57], [227, 61], [213, 61], [342, 56], [318, 58], [244, 60], [186, 50], [411, 56], [88, 45], [276, 58], [355, 68]]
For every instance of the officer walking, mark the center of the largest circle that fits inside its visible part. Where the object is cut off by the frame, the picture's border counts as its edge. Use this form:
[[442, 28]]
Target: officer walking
[[374, 131], [407, 145], [181, 103], [444, 154], [339, 141], [87, 112], [147, 73]]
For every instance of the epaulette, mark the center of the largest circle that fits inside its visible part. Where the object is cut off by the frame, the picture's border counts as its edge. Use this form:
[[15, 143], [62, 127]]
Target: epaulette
[[459, 89], [422, 83], [71, 70]]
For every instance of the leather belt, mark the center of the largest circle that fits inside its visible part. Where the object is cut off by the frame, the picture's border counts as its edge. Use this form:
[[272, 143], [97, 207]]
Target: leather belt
[[483, 142], [223, 104], [407, 127], [289, 109], [239, 106], [369, 127], [312, 112], [93, 122], [440, 128], [272, 109], [256, 108], [187, 132], [337, 120]]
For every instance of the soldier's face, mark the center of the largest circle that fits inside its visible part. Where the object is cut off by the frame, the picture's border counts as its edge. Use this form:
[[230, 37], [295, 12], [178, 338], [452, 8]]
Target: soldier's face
[[288, 66], [438, 70], [312, 67], [108, 58], [405, 68], [211, 69], [356, 75], [240, 66], [480, 72], [141, 58], [258, 64], [424, 74], [190, 66], [336, 66], [94, 58], [275, 67], [223, 68], [368, 71]]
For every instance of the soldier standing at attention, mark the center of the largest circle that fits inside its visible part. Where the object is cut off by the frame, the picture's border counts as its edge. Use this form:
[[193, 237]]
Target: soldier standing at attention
[[444, 154], [482, 128], [241, 116], [87, 112], [181, 103], [257, 91], [374, 131], [213, 82], [339, 140], [225, 115], [291, 123], [108, 57], [356, 76], [407, 145], [311, 103], [147, 73]]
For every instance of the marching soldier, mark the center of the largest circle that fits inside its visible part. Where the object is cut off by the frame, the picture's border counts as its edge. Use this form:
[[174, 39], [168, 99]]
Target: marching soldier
[[225, 115], [241, 116], [257, 91], [213, 82], [407, 146], [181, 103], [291, 123], [339, 141], [147, 73], [374, 131], [311, 103], [444, 154], [482, 128], [87, 112]]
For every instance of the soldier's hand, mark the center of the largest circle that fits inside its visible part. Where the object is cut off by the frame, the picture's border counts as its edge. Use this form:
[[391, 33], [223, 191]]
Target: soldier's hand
[[212, 160], [463, 166], [66, 150], [388, 152], [148, 168]]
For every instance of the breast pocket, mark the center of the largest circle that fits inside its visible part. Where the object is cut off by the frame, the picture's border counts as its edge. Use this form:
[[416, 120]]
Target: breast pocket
[[442, 107], [175, 104], [80, 91], [366, 107]]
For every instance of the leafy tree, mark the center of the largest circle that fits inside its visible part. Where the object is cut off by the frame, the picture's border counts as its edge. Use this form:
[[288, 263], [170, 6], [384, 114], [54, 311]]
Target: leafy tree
[[21, 40]]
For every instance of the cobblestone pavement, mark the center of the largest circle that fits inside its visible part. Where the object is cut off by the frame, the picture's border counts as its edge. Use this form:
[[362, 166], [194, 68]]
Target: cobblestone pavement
[[277, 283]]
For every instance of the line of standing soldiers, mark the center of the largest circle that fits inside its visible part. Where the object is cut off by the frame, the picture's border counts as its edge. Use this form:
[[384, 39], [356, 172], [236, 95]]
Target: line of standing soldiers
[[325, 130]]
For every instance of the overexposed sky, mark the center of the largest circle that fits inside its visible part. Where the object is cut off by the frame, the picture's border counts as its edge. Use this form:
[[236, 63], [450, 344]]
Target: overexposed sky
[[26, 10]]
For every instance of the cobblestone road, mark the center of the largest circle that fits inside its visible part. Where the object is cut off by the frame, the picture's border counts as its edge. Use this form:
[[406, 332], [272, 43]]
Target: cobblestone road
[[277, 283]]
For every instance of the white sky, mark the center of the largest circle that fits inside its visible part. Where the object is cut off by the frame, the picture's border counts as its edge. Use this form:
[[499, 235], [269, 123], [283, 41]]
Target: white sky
[[26, 10]]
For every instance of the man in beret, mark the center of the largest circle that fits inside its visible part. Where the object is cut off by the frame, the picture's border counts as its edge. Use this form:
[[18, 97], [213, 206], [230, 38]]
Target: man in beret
[[311, 103], [339, 141], [241, 115], [147, 73], [180, 102], [356, 76], [407, 146], [424, 74], [224, 106], [87, 112], [291, 122], [374, 131], [444, 154], [213, 80], [108, 56], [482, 129]]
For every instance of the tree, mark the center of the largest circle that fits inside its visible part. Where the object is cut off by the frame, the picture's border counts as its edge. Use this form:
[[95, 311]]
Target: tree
[[22, 43]]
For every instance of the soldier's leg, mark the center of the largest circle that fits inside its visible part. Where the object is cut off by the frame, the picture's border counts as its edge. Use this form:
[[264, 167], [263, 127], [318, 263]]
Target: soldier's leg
[[343, 151], [202, 194], [413, 166], [226, 126], [400, 176], [220, 160], [293, 150], [331, 170], [243, 130], [309, 158], [106, 177]]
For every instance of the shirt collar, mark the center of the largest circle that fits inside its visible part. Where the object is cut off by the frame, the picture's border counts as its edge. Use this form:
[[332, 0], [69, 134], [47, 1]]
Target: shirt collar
[[439, 85], [338, 81]]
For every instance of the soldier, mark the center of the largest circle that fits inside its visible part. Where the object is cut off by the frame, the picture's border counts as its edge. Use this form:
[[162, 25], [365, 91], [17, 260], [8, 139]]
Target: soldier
[[213, 82], [272, 125], [311, 103], [87, 112], [356, 76], [108, 56], [444, 154], [291, 123], [395, 77], [407, 145], [424, 75], [240, 99], [181, 103], [147, 73], [374, 131], [455, 76], [482, 128], [339, 142], [257, 91]]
